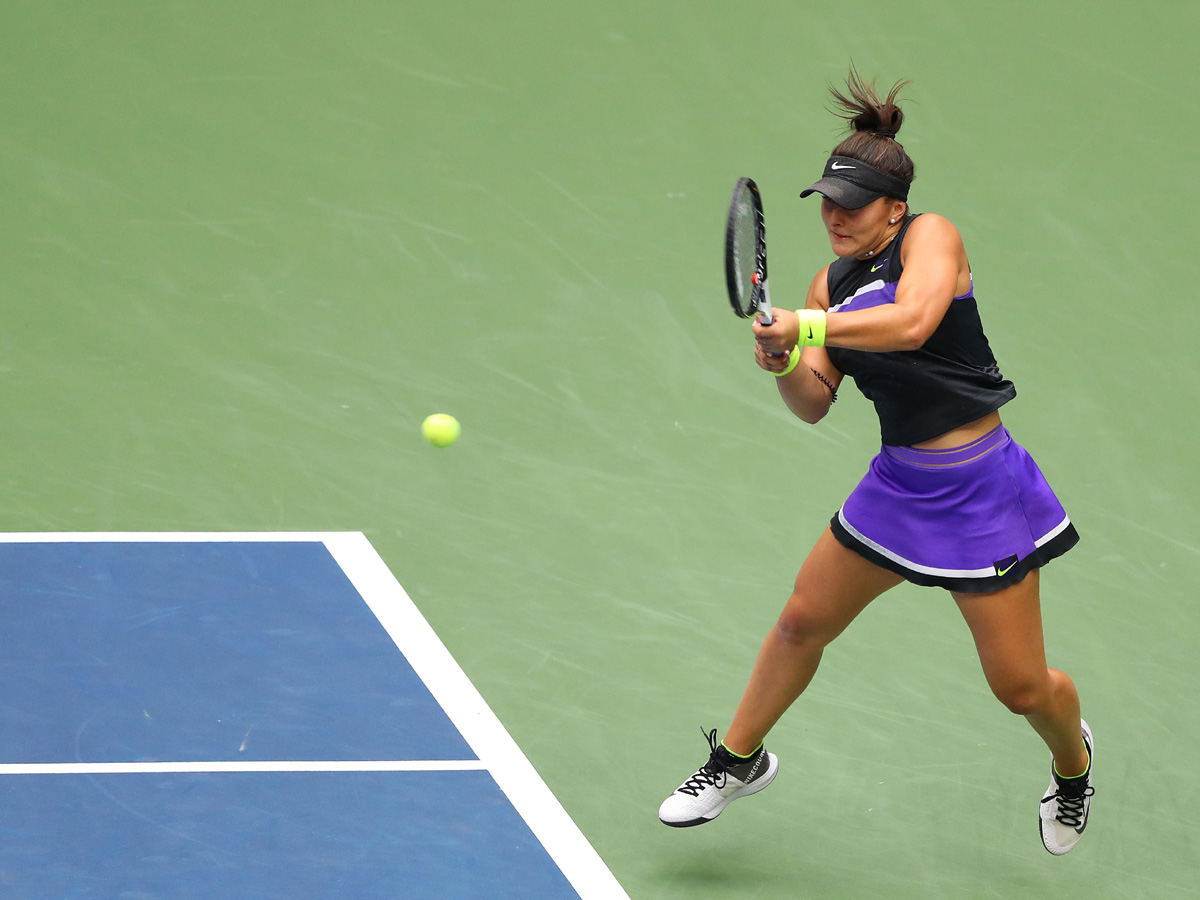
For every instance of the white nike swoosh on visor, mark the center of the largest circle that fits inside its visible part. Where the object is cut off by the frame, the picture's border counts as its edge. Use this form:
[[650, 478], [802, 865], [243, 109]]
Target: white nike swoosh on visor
[[837, 166]]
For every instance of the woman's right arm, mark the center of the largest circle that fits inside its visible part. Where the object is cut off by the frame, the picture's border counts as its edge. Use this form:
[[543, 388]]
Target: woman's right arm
[[803, 392]]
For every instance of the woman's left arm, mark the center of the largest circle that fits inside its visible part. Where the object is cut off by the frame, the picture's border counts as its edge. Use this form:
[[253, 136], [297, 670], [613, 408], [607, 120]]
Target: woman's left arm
[[935, 262], [935, 266]]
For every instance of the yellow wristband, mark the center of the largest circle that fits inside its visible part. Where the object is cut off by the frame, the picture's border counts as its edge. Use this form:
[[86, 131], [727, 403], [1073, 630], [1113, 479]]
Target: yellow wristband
[[812, 327], [791, 363]]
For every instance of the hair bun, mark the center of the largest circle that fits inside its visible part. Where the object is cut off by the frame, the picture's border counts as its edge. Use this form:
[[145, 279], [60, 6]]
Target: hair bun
[[865, 111], [874, 122]]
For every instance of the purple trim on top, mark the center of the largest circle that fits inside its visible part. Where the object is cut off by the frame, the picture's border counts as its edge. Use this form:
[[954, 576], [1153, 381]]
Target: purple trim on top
[[877, 293], [970, 294]]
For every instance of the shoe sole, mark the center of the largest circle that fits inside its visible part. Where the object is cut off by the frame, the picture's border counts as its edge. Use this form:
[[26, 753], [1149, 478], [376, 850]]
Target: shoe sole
[[752, 788]]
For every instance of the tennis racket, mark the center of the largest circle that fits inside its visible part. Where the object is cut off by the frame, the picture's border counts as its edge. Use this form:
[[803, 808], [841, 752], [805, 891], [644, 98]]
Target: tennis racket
[[746, 253]]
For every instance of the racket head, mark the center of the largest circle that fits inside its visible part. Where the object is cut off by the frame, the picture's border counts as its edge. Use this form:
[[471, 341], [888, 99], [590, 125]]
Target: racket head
[[746, 250]]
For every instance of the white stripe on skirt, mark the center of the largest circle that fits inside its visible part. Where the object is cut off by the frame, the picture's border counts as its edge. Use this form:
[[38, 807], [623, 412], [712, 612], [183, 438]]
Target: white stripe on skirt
[[931, 570]]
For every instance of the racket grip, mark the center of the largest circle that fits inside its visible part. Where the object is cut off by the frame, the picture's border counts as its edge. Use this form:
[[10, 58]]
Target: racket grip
[[765, 316]]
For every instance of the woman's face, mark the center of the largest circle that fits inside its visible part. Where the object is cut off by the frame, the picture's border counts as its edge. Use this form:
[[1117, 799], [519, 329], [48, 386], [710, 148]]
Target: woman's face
[[862, 232]]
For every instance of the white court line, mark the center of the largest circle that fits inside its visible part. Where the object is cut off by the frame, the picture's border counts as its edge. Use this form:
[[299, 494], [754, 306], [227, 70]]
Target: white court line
[[483, 731], [497, 751], [171, 537], [144, 768]]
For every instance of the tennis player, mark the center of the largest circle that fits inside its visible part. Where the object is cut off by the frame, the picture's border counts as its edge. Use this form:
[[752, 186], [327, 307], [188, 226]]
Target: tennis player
[[951, 500]]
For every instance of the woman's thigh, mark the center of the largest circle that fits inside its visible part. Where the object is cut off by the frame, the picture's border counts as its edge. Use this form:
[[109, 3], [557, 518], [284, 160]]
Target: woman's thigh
[[1007, 628], [833, 586]]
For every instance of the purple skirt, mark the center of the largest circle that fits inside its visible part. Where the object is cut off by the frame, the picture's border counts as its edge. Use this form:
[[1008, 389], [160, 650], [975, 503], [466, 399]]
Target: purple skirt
[[972, 519]]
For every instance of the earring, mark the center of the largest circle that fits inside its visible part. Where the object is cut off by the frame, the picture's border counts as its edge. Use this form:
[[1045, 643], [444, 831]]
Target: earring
[[891, 221]]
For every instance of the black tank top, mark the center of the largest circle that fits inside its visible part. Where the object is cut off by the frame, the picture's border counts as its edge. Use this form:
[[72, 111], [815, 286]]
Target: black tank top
[[918, 394]]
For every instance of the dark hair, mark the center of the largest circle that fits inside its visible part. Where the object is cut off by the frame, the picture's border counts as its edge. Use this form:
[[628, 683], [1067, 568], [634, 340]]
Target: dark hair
[[875, 124]]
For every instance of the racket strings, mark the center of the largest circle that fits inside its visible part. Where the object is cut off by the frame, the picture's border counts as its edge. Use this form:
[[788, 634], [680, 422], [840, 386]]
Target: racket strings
[[745, 255], [746, 250]]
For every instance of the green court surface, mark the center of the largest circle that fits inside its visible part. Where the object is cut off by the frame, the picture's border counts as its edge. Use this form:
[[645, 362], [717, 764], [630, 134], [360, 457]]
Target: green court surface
[[250, 246]]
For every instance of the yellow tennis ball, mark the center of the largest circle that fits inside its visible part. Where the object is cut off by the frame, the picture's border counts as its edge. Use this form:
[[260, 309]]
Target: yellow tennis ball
[[441, 430]]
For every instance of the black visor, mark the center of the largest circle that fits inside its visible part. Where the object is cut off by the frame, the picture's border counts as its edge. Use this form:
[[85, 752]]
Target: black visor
[[852, 184]]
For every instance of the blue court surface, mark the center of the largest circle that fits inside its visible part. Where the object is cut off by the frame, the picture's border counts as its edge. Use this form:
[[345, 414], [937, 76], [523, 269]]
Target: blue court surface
[[253, 716]]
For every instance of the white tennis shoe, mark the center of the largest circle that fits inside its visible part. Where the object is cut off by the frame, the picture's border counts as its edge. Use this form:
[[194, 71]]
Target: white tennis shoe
[[716, 784], [1065, 808]]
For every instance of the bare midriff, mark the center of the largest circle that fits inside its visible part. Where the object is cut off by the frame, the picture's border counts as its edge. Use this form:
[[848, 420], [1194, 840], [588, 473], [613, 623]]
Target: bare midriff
[[964, 434]]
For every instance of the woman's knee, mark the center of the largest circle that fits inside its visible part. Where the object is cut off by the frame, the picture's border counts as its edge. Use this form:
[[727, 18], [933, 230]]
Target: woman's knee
[[1023, 696], [802, 622]]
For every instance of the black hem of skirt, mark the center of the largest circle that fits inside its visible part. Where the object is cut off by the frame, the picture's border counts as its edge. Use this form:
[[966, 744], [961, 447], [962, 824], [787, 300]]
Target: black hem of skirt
[[1052, 549]]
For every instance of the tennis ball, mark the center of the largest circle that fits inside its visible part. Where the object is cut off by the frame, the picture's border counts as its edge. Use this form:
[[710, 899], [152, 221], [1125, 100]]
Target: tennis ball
[[441, 430]]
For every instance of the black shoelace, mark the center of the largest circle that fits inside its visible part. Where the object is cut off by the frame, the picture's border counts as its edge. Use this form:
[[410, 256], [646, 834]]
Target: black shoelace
[[1070, 803], [712, 772]]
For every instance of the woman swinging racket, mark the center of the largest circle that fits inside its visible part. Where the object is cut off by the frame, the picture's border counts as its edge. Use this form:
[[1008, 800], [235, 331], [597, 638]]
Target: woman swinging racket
[[951, 500]]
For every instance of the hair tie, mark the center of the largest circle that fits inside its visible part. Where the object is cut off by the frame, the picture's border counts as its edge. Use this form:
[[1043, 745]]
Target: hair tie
[[884, 133]]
